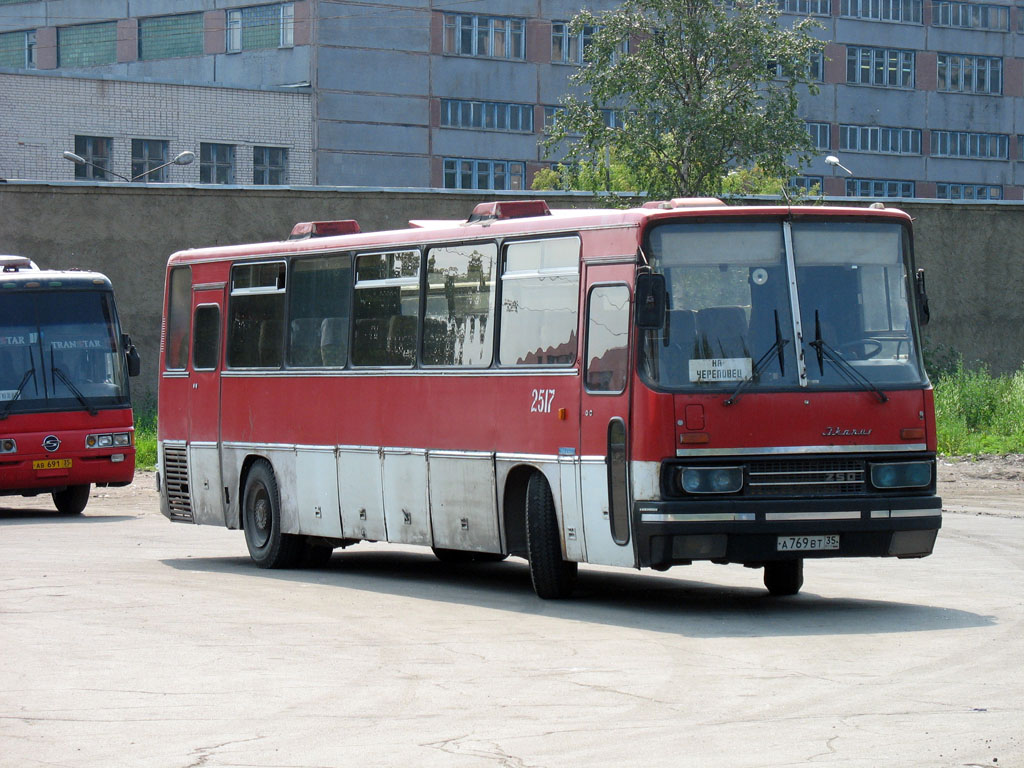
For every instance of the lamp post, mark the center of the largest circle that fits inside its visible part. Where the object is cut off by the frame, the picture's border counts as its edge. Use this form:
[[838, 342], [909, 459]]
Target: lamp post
[[183, 158], [834, 162]]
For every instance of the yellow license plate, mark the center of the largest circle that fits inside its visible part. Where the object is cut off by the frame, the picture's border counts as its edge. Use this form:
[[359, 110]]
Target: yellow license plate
[[52, 464]]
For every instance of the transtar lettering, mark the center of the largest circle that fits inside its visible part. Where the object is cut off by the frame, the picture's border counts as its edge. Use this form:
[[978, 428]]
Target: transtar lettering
[[838, 432]]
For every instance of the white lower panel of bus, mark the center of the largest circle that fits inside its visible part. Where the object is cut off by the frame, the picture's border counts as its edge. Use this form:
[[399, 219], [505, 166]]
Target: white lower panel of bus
[[446, 499]]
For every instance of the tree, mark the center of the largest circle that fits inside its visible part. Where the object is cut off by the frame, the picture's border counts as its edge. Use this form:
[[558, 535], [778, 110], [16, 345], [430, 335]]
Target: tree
[[696, 87]]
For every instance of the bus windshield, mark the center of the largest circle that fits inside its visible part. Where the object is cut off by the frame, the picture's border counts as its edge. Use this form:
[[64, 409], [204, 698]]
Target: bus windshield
[[60, 350], [733, 291]]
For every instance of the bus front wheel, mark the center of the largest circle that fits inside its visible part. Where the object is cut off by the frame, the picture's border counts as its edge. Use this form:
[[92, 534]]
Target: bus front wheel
[[552, 576], [784, 577], [72, 500], [261, 519]]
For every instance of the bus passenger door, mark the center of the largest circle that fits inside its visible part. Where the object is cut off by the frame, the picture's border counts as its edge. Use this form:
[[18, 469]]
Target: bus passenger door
[[604, 416], [208, 502]]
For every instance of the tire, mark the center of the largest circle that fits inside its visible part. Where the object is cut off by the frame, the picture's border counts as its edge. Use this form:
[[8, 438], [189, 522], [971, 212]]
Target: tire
[[72, 500], [552, 577], [453, 556], [261, 519], [461, 556], [315, 554], [784, 577]]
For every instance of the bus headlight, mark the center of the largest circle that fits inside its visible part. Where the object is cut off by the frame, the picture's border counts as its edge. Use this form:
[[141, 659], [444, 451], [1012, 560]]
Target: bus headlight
[[7, 445], [903, 474], [119, 439], [711, 479]]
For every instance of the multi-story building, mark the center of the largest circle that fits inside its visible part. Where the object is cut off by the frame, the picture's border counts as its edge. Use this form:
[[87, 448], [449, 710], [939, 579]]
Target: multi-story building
[[918, 98]]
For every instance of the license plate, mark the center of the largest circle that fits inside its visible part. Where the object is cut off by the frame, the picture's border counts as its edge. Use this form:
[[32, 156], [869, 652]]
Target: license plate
[[808, 543], [52, 464]]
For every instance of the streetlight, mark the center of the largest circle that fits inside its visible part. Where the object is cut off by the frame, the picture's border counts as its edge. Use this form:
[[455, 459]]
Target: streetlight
[[834, 162], [183, 158]]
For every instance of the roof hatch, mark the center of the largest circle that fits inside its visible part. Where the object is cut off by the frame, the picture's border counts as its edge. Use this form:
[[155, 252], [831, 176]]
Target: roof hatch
[[307, 229], [508, 209]]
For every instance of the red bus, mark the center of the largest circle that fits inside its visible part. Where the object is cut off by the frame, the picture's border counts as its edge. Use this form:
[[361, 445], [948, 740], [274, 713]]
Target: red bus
[[643, 388], [65, 408]]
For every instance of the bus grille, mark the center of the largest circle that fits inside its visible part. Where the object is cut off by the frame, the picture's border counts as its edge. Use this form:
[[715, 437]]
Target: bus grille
[[806, 477], [176, 483]]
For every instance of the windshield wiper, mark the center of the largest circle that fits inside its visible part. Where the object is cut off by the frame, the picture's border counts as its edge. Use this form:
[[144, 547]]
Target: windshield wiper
[[17, 393], [825, 352], [71, 385], [762, 362]]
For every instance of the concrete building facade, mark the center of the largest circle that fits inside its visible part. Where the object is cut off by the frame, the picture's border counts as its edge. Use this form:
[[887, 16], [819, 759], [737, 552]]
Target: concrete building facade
[[919, 98]]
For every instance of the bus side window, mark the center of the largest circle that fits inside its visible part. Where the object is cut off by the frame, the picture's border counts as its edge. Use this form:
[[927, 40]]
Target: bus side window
[[319, 301], [458, 323], [540, 302], [206, 347], [179, 310], [256, 315], [386, 308], [607, 335]]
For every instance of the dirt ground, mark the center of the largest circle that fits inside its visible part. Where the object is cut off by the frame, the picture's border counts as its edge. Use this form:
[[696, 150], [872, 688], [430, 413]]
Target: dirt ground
[[983, 484]]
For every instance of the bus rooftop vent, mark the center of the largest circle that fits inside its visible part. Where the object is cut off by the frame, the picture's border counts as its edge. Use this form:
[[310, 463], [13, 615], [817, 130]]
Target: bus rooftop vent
[[685, 202], [509, 209], [307, 229], [16, 264]]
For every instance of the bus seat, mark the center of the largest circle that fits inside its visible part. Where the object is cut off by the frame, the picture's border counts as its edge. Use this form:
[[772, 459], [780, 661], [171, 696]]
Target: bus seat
[[675, 356], [401, 339], [334, 340], [438, 342], [270, 343], [722, 332], [304, 341]]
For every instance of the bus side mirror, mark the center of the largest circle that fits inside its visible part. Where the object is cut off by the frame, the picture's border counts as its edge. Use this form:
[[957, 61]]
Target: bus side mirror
[[650, 297], [923, 313], [131, 355]]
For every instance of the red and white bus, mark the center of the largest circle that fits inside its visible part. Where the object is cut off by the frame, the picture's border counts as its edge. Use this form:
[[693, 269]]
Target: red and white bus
[[65, 409], [643, 388]]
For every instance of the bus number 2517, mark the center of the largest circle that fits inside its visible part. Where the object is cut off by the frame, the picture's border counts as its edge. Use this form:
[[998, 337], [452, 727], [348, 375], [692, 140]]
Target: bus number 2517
[[542, 400]]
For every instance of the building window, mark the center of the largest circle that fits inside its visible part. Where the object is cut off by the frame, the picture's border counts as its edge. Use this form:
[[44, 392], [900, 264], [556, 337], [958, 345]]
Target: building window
[[879, 188], [808, 184], [165, 37], [490, 37], [269, 165], [568, 47], [147, 156], [261, 26], [970, 15], [487, 115], [907, 11], [959, 73], [461, 173], [806, 7], [96, 150], [968, 192], [551, 116], [18, 50], [821, 135], [977, 146], [881, 139], [885, 67], [815, 73], [216, 163], [87, 45]]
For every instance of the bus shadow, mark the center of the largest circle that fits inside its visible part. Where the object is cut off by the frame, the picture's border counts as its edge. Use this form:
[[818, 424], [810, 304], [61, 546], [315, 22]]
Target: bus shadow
[[633, 600]]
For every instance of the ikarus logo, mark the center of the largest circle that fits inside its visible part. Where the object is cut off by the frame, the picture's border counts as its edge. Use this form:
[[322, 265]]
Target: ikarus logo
[[840, 432]]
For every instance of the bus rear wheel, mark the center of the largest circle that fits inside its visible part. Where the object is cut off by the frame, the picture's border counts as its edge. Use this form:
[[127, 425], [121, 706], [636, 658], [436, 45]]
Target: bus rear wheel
[[552, 576], [784, 577], [72, 500], [261, 519]]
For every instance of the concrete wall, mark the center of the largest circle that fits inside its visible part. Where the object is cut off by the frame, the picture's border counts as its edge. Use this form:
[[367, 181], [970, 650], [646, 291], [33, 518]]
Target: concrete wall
[[974, 253]]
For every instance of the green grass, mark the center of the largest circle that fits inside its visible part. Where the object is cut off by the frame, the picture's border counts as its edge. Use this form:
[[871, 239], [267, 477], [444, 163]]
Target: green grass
[[976, 412], [145, 437]]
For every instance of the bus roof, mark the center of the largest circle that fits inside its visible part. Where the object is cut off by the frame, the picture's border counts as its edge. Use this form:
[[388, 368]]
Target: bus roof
[[49, 279], [530, 217]]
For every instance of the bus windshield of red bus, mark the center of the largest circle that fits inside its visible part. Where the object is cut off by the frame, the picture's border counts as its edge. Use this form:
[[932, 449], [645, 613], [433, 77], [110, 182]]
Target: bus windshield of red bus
[[740, 293], [59, 350]]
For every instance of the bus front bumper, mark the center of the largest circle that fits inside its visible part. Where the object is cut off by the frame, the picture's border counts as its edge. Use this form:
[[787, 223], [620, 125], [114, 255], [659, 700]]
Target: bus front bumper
[[756, 531]]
